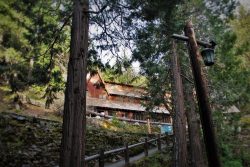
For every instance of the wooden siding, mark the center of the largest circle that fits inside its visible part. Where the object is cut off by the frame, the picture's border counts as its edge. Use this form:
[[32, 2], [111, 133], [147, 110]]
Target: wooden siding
[[126, 96]]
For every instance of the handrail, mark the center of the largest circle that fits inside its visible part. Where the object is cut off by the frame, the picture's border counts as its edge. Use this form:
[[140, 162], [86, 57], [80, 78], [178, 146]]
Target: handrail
[[137, 144], [114, 151], [96, 156], [152, 140], [92, 157]]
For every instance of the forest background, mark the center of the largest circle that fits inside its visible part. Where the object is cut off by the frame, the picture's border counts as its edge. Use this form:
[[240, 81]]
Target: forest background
[[35, 37]]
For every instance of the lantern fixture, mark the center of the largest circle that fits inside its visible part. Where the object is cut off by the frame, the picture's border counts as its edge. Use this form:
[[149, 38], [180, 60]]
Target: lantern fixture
[[208, 56]]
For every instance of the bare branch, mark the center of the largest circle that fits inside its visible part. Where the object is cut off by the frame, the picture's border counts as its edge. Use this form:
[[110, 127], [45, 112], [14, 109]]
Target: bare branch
[[100, 10], [57, 32]]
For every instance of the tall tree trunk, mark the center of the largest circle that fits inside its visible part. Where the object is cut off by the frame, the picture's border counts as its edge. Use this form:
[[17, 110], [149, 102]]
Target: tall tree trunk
[[74, 118], [196, 150], [180, 142]]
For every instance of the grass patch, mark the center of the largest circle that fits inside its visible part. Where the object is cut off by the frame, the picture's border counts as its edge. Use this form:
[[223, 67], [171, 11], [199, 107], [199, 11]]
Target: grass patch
[[52, 116], [245, 121], [5, 88], [157, 160], [35, 92]]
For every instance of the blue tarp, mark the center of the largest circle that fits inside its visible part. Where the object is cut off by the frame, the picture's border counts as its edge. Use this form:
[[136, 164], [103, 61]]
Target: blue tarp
[[166, 129]]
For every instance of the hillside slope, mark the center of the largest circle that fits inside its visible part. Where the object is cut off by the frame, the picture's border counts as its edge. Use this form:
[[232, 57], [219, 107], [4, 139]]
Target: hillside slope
[[30, 141]]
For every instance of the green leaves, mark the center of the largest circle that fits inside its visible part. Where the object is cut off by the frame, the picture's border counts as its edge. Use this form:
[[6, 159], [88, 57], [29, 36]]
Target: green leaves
[[55, 85], [230, 75]]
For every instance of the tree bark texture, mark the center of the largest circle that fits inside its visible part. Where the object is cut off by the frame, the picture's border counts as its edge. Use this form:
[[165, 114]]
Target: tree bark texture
[[202, 97], [195, 141], [180, 142], [74, 118]]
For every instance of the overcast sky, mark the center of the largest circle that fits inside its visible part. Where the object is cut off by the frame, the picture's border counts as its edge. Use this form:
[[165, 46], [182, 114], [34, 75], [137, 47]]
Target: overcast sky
[[245, 3]]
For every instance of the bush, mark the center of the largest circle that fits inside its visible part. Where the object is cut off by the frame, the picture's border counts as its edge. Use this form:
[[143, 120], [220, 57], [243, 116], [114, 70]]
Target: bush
[[233, 163], [117, 123]]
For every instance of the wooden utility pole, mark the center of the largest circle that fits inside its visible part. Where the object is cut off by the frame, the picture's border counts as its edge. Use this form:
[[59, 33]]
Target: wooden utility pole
[[74, 115], [180, 142], [202, 97], [198, 158]]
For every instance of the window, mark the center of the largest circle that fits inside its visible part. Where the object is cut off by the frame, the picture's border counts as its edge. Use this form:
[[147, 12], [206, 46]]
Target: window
[[138, 116]]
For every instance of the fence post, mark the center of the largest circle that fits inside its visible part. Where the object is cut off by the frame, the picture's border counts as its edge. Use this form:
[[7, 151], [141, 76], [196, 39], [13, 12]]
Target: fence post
[[159, 142], [84, 163], [167, 140], [101, 158], [126, 151], [146, 147]]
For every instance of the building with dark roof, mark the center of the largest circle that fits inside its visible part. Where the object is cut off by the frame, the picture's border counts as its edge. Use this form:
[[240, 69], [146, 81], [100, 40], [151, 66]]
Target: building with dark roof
[[120, 100]]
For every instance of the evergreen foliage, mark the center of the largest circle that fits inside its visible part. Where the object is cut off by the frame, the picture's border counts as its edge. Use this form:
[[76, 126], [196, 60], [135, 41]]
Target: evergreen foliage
[[33, 44], [35, 35]]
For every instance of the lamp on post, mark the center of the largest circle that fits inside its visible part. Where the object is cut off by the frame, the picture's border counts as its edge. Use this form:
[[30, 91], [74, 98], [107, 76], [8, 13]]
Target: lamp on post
[[208, 56], [201, 90]]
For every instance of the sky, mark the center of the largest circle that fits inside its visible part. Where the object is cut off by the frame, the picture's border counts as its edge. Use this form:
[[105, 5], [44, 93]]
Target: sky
[[245, 3]]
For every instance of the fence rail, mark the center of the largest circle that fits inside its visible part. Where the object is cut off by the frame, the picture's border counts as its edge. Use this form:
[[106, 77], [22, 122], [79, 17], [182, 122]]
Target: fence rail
[[125, 149]]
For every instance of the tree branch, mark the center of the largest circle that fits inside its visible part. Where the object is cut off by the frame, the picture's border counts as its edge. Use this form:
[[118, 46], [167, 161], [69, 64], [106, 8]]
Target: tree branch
[[55, 40], [187, 79], [100, 10]]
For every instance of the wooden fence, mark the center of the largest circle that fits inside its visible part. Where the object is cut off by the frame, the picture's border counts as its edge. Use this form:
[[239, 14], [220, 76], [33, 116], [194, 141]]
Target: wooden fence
[[125, 150]]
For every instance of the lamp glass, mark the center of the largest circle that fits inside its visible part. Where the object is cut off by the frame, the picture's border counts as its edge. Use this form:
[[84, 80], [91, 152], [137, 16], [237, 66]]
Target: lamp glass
[[208, 56]]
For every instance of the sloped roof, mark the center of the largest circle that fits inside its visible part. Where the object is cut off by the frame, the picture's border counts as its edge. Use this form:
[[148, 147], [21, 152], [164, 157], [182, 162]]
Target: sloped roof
[[96, 102], [233, 109], [119, 89], [124, 90]]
